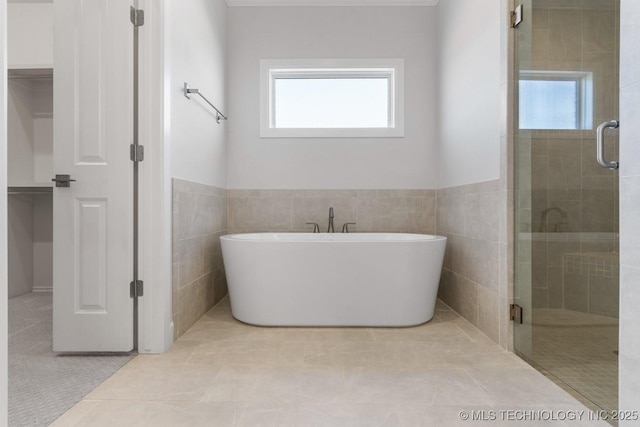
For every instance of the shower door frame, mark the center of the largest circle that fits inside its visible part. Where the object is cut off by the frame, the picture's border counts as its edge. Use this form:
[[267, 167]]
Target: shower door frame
[[523, 268]]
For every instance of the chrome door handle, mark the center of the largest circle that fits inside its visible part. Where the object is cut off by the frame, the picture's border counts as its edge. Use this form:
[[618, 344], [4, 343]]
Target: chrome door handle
[[63, 180], [613, 165]]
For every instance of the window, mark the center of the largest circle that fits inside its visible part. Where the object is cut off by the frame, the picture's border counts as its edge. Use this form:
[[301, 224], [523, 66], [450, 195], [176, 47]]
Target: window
[[555, 100], [331, 98]]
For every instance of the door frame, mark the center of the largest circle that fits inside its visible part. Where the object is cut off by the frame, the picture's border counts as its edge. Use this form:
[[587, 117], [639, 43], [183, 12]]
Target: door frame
[[4, 327], [155, 327]]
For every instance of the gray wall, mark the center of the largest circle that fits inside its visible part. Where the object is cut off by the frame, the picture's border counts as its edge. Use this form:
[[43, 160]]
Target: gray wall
[[256, 33], [474, 202], [469, 113], [629, 359], [30, 243], [195, 52], [43, 242], [20, 243], [30, 132]]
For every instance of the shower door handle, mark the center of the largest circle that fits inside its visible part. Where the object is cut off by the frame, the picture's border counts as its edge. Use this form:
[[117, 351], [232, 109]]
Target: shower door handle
[[613, 165]]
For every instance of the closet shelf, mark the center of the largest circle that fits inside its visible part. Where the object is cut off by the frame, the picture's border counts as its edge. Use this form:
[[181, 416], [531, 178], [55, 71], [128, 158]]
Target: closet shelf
[[30, 73], [29, 190]]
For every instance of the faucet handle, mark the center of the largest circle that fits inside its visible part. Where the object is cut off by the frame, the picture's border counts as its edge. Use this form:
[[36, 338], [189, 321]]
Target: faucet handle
[[345, 227], [316, 227]]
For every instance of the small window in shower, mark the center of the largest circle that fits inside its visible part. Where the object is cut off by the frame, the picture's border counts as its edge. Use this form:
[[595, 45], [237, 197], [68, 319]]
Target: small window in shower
[[331, 98], [558, 100]]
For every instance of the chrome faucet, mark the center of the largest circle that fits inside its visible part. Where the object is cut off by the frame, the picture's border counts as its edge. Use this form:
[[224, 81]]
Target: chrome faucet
[[316, 227], [558, 226], [330, 227], [345, 227]]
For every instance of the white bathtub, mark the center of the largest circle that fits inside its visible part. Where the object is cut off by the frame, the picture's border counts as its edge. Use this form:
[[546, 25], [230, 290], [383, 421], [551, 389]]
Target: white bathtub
[[354, 279]]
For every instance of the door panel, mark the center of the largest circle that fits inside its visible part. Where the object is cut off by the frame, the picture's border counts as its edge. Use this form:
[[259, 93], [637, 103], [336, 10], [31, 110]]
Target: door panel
[[523, 195], [93, 218], [91, 244], [566, 204]]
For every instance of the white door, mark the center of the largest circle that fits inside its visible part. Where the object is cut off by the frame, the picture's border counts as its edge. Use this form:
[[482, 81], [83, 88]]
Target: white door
[[93, 218]]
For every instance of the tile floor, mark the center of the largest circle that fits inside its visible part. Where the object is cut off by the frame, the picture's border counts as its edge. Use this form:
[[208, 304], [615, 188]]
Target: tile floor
[[225, 373], [42, 384], [578, 349]]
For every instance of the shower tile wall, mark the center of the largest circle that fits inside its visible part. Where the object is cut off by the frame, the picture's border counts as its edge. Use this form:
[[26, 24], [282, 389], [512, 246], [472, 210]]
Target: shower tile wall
[[199, 219], [408, 211], [571, 193]]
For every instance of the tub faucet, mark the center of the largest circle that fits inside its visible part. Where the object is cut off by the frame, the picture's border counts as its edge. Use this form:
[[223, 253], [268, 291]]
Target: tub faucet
[[345, 227], [316, 227], [330, 227]]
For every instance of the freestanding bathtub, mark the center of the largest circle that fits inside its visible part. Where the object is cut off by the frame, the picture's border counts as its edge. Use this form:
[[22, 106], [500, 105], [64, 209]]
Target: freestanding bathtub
[[351, 279]]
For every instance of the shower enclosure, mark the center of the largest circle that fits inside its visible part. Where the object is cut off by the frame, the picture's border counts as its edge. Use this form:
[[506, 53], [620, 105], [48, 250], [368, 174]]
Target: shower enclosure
[[566, 203]]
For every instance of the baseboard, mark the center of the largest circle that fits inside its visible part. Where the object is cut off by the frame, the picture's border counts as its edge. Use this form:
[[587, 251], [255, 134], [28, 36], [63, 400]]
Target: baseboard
[[42, 289]]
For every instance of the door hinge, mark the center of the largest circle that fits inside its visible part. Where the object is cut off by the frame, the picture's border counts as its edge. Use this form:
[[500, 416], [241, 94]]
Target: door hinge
[[515, 313], [136, 152], [136, 288], [516, 16], [137, 17]]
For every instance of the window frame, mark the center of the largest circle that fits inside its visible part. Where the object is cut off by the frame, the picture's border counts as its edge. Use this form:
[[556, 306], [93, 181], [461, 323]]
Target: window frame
[[391, 69], [584, 95]]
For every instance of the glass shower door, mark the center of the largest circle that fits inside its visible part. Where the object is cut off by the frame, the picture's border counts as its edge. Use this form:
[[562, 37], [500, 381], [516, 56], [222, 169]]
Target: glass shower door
[[566, 203]]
